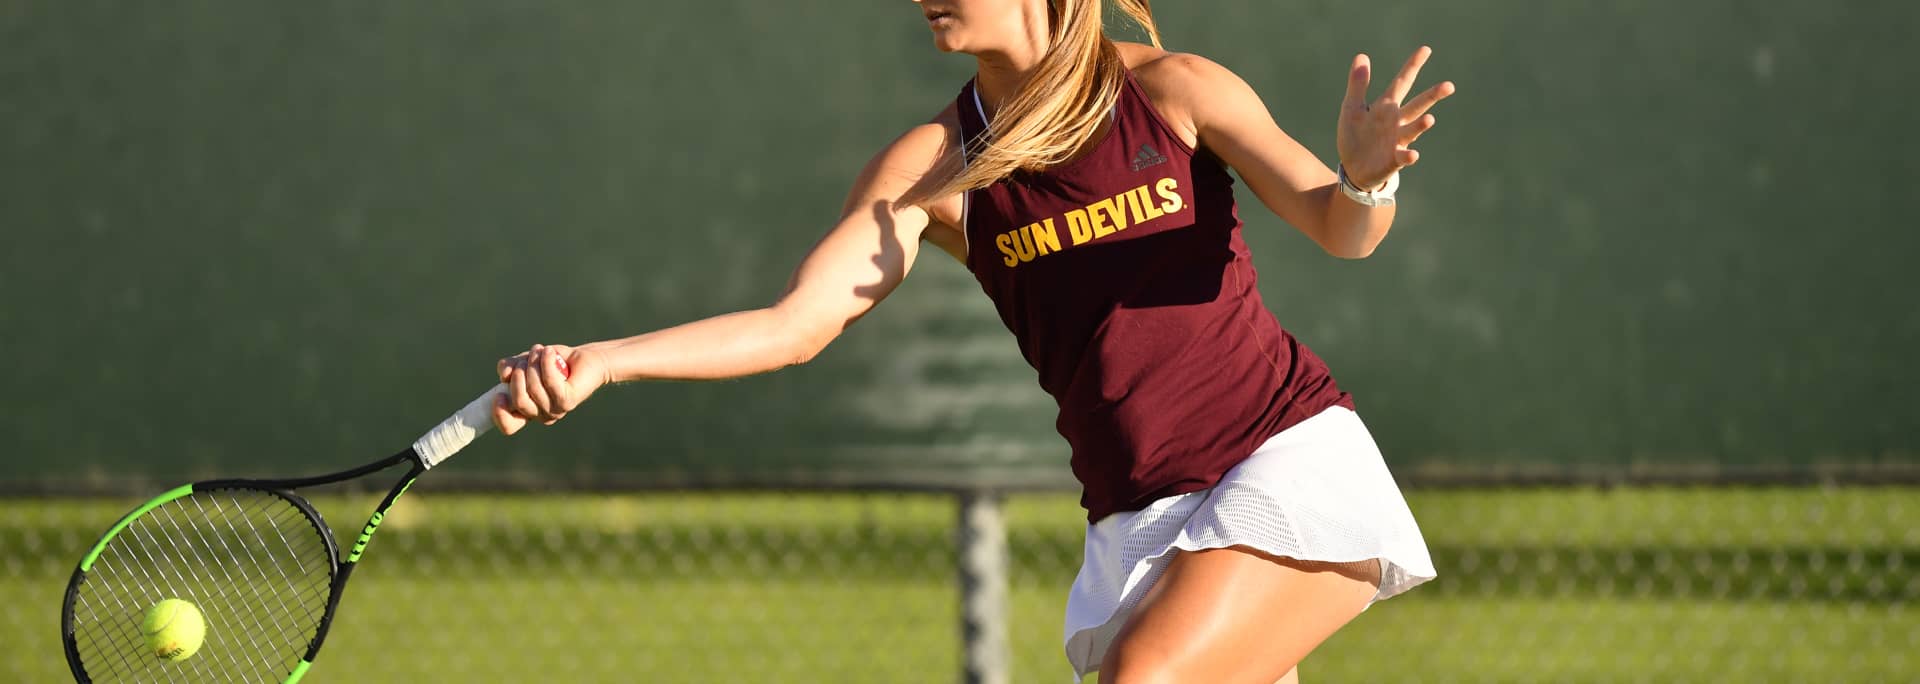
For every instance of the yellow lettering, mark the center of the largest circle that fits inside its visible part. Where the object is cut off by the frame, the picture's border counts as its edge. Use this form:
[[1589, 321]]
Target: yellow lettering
[[1168, 189], [1099, 220], [1045, 238], [1116, 210], [1005, 243], [1078, 227], [1023, 244], [1144, 200], [1133, 204]]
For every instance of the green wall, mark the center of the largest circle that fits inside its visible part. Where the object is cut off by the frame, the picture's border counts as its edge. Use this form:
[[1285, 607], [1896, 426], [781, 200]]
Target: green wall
[[269, 238]]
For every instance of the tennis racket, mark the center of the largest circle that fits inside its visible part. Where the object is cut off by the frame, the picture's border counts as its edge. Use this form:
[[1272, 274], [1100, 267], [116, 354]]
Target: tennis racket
[[255, 557]]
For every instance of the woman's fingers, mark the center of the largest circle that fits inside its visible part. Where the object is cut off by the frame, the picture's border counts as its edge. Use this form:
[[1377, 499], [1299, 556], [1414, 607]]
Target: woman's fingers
[[504, 368], [553, 382], [517, 397], [504, 418], [1412, 131], [1425, 101], [537, 384], [1358, 75], [539, 388], [1403, 82], [1374, 136]]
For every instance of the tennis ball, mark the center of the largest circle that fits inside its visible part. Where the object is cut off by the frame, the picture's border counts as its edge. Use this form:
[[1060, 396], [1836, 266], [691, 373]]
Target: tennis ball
[[174, 629]]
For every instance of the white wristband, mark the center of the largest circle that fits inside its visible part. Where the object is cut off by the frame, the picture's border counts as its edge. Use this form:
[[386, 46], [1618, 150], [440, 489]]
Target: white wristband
[[1369, 198]]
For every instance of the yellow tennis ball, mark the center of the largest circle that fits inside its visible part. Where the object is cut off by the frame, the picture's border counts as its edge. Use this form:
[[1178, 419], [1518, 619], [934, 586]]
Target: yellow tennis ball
[[174, 629]]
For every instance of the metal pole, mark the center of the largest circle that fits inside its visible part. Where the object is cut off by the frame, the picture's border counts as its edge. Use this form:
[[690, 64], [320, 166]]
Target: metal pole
[[983, 588]]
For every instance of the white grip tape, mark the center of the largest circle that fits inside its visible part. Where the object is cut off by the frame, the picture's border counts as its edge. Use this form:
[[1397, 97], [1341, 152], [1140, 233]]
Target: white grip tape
[[459, 429]]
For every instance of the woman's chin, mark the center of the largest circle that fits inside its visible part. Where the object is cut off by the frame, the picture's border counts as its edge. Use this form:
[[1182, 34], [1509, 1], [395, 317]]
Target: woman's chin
[[946, 39]]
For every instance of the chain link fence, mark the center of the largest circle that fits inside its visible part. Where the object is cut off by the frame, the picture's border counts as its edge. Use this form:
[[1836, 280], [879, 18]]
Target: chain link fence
[[1538, 584]]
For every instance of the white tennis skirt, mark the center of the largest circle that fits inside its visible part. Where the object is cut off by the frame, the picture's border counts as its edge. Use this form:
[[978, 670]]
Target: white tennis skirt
[[1317, 491]]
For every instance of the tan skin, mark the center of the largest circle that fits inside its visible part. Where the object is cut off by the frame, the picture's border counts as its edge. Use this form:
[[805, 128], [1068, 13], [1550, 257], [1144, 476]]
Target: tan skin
[[1225, 615]]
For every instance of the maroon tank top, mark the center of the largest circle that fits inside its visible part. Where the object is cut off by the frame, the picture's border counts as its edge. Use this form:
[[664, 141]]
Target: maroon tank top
[[1123, 276]]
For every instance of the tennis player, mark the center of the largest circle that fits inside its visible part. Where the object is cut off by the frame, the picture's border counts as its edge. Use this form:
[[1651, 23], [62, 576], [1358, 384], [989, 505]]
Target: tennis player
[[1239, 512]]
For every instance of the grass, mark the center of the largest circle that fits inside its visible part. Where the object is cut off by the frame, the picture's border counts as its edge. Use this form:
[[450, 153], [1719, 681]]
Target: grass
[[1563, 585]]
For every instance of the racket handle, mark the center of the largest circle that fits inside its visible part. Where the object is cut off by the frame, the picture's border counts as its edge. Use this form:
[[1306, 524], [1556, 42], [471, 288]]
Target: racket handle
[[460, 429]]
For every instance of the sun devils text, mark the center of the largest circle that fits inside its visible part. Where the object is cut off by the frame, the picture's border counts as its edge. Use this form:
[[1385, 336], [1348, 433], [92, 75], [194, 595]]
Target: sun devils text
[[1132, 208]]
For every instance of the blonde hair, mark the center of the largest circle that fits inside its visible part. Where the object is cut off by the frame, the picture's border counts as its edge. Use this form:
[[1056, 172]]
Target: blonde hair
[[1058, 109]]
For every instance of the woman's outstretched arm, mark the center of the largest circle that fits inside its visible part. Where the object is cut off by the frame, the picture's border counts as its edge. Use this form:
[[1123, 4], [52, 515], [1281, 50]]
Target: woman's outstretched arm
[[858, 263]]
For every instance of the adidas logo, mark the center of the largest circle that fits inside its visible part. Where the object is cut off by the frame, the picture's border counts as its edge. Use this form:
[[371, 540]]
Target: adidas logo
[[1148, 157]]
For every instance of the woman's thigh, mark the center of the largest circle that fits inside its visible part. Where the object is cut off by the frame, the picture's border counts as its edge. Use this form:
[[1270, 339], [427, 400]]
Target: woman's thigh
[[1236, 615]]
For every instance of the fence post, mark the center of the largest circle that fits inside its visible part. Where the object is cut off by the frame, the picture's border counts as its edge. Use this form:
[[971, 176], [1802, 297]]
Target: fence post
[[983, 587]]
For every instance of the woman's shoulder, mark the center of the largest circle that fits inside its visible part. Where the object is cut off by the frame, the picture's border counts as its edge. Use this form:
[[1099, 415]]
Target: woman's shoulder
[[921, 154], [1140, 55], [935, 143], [1163, 72], [1176, 83], [915, 154], [926, 140]]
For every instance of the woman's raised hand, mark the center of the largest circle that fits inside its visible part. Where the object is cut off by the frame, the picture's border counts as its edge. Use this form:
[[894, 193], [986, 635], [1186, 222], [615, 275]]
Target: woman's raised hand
[[1373, 136]]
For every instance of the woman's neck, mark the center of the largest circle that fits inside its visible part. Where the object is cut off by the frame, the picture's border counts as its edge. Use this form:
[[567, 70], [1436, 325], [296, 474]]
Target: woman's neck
[[998, 81], [1004, 71]]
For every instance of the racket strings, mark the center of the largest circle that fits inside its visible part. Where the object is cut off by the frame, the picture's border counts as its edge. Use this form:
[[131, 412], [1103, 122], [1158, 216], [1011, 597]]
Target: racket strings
[[163, 572], [254, 563], [227, 590], [280, 617]]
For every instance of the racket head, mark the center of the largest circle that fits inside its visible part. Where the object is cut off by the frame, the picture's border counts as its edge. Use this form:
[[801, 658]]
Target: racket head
[[258, 561]]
